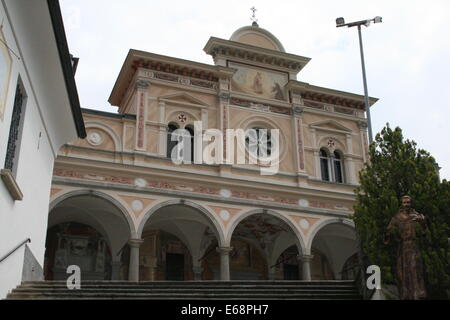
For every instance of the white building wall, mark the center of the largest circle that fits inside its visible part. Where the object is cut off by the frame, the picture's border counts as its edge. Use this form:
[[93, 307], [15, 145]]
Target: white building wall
[[28, 217]]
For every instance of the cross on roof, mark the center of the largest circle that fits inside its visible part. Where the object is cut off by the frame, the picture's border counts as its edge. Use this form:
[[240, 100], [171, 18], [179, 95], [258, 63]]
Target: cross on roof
[[253, 18]]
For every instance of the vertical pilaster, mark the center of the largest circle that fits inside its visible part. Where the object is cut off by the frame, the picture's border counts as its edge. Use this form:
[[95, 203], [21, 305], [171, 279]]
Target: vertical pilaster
[[133, 270], [316, 155], [141, 111], [298, 129], [364, 140], [224, 97], [224, 262], [162, 145], [205, 118], [349, 166]]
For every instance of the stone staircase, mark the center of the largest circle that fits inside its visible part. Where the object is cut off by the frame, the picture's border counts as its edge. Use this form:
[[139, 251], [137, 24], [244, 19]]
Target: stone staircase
[[190, 290]]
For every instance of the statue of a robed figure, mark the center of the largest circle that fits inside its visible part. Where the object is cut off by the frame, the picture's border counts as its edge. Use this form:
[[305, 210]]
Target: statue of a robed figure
[[406, 226]]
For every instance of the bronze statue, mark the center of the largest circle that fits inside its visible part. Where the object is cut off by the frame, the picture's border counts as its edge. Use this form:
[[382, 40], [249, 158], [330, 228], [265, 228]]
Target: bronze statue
[[407, 224]]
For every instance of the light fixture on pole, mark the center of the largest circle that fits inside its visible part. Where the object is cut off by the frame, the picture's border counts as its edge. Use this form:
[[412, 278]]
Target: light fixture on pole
[[340, 22]]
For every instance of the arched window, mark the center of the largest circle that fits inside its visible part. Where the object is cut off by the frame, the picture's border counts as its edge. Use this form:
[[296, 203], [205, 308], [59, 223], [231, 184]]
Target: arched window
[[331, 166], [324, 165], [337, 166], [171, 144], [259, 142]]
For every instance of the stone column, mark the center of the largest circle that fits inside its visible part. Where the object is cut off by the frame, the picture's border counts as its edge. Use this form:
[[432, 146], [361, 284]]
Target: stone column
[[197, 270], [306, 266], [224, 262], [133, 270], [115, 270], [272, 274]]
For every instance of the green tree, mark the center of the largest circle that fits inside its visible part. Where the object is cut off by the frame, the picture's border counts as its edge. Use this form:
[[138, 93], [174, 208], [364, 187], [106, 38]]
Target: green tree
[[396, 168]]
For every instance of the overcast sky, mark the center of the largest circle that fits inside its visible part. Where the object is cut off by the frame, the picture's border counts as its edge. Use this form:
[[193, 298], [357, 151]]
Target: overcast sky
[[407, 56]]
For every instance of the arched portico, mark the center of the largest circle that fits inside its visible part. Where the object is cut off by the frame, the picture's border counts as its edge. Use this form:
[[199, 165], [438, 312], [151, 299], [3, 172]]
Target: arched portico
[[336, 240], [266, 233], [102, 195], [178, 232], [88, 228]]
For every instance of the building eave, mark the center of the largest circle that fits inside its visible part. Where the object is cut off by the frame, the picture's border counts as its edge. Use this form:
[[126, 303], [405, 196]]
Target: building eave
[[137, 59], [66, 65], [316, 93]]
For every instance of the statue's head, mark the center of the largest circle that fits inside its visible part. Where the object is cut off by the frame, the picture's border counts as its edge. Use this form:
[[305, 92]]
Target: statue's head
[[406, 201]]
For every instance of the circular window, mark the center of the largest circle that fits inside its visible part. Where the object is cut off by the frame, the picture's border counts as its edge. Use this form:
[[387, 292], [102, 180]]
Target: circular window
[[258, 142]]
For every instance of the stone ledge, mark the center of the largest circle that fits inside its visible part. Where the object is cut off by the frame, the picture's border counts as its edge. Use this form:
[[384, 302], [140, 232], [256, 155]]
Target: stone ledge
[[11, 184]]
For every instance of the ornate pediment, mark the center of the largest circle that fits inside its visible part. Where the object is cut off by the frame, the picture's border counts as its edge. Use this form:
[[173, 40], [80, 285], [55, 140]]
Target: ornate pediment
[[182, 99], [330, 125]]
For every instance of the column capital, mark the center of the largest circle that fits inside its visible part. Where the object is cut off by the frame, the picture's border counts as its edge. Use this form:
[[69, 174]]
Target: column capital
[[142, 84], [305, 257], [362, 125], [135, 243], [224, 250], [224, 96], [297, 110]]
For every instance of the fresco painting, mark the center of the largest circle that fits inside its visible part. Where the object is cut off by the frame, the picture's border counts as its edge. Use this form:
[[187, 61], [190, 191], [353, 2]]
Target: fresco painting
[[260, 82]]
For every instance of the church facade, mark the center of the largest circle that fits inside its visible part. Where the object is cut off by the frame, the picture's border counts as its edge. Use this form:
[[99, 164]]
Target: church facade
[[120, 208]]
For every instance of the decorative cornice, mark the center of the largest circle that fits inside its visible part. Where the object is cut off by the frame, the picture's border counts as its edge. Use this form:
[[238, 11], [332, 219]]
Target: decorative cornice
[[217, 47], [319, 95], [172, 68], [165, 68]]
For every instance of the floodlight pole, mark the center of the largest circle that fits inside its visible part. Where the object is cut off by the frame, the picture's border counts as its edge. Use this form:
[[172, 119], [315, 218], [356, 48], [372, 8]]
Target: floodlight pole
[[340, 22], [366, 94]]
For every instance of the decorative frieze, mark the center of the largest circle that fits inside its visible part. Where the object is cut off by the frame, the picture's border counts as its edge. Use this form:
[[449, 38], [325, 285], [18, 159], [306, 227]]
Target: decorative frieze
[[328, 205], [260, 106], [314, 105], [184, 79], [344, 110], [167, 77], [192, 188], [204, 84]]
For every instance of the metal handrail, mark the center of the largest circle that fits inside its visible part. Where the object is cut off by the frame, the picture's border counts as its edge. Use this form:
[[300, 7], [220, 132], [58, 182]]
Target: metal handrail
[[13, 250]]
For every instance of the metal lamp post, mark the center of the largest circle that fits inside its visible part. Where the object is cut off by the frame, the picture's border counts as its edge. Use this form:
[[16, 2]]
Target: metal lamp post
[[340, 22]]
